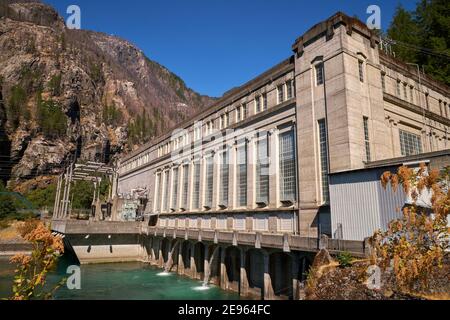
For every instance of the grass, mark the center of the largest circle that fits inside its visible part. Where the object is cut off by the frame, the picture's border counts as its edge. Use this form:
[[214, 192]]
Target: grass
[[8, 230]]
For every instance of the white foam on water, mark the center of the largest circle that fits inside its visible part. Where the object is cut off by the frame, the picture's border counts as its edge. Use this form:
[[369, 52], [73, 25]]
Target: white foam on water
[[163, 274], [201, 288]]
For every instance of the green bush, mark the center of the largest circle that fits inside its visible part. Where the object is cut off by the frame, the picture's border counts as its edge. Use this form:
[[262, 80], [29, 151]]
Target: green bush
[[345, 259]]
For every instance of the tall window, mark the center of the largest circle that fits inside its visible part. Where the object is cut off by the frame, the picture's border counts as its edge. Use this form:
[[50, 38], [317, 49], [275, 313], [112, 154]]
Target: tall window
[[287, 166], [258, 104], [262, 170], [241, 176], [290, 89], [405, 91], [319, 74], [245, 111], [410, 144], [361, 70], [196, 186], [242, 112], [323, 147], [280, 89], [197, 133], [224, 179], [412, 94], [209, 181], [383, 82], [166, 191], [224, 121], [366, 138], [175, 189], [399, 93], [184, 195], [264, 106]]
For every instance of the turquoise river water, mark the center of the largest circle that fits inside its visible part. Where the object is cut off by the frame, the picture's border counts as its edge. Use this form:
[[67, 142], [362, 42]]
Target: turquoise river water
[[120, 281]]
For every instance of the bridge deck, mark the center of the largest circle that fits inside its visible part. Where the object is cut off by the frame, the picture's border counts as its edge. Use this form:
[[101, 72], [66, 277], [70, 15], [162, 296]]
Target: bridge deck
[[286, 242]]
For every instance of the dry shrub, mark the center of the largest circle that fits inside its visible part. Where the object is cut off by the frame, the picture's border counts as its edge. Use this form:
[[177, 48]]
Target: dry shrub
[[415, 244], [32, 270]]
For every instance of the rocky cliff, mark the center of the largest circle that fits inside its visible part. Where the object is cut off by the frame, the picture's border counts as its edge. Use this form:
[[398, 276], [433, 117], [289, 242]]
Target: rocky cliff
[[76, 92]]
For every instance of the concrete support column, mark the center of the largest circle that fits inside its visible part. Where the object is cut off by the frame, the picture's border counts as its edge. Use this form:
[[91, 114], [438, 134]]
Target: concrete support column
[[160, 253], [243, 283], [268, 289], [193, 266], [152, 250], [206, 266], [180, 268], [223, 271], [295, 277]]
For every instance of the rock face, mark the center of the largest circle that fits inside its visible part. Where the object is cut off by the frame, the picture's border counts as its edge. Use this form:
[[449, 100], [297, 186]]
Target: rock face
[[84, 73]]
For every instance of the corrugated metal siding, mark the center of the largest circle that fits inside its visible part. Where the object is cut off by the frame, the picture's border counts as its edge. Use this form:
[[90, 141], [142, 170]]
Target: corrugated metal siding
[[355, 206], [361, 205], [390, 204]]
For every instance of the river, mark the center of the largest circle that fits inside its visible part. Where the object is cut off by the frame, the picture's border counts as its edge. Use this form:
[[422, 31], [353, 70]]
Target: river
[[120, 281]]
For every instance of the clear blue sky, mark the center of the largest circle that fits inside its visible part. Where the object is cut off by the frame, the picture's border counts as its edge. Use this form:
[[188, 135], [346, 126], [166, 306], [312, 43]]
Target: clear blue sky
[[215, 45]]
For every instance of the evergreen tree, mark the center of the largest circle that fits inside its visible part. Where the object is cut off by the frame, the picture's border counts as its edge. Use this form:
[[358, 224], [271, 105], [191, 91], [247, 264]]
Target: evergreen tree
[[423, 37], [404, 29]]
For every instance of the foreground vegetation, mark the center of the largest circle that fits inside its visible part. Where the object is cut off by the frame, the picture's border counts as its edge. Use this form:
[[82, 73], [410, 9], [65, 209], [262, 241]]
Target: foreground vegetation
[[408, 261], [31, 272]]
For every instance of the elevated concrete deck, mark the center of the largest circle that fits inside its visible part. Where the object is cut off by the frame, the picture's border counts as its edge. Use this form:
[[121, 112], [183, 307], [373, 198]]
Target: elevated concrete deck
[[284, 242]]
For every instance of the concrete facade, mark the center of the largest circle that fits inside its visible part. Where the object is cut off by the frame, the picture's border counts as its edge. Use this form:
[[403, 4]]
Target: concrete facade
[[365, 116]]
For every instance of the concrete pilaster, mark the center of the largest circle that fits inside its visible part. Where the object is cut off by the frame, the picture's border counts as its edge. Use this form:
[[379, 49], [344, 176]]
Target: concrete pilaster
[[231, 176], [216, 179], [273, 169], [251, 166]]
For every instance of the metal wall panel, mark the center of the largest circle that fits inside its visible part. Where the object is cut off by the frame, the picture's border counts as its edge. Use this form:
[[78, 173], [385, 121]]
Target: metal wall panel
[[359, 204]]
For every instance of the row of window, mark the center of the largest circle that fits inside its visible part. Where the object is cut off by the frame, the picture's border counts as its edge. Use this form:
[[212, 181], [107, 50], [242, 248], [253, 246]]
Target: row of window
[[411, 96], [320, 72], [260, 222], [285, 92], [287, 177]]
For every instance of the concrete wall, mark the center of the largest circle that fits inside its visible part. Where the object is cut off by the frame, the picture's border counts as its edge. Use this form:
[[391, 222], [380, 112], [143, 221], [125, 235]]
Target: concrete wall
[[343, 100]]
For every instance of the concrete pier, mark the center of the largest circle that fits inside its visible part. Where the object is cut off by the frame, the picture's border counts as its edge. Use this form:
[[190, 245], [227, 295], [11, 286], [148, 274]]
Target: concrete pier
[[268, 267]]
